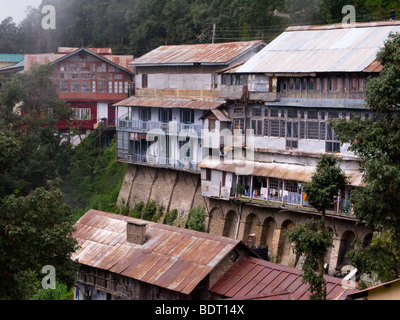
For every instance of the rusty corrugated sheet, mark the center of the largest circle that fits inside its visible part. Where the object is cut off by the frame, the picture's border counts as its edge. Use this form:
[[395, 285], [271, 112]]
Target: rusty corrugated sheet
[[221, 53], [172, 258], [375, 66], [135, 101], [273, 170], [329, 48], [255, 279], [99, 51]]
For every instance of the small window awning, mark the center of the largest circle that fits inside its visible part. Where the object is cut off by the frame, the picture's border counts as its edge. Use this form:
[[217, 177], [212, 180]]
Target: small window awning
[[285, 171]]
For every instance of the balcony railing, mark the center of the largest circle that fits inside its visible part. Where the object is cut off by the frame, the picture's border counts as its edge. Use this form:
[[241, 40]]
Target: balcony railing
[[158, 161], [146, 126]]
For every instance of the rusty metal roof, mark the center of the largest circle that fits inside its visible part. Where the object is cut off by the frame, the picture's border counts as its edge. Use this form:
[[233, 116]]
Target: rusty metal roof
[[99, 51], [120, 61], [286, 171], [217, 53], [255, 279], [169, 103], [173, 258], [329, 48]]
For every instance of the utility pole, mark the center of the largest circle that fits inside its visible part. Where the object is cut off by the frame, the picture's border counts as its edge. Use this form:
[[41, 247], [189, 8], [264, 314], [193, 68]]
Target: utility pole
[[213, 34]]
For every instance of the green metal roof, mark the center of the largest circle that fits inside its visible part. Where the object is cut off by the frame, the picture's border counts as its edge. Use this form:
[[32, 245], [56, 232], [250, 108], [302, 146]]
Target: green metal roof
[[5, 57]]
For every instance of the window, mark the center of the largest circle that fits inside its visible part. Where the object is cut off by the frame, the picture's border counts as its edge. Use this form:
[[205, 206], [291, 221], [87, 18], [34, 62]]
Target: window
[[118, 76], [115, 87], [311, 84], [75, 86], [145, 114], [144, 81], [102, 67], [238, 124], [165, 115], [208, 174], [126, 87], [211, 124], [82, 113], [64, 86], [121, 87], [102, 86], [238, 112], [110, 87], [256, 125], [187, 116], [256, 111], [112, 69], [86, 88]]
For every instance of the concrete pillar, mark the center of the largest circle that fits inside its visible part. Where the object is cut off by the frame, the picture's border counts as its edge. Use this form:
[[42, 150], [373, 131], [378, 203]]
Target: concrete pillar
[[333, 260]]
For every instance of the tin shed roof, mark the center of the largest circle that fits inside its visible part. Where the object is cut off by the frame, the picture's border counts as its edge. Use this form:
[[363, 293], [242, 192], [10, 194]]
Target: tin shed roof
[[255, 279], [169, 103], [329, 48], [12, 58], [173, 258], [286, 171], [208, 53]]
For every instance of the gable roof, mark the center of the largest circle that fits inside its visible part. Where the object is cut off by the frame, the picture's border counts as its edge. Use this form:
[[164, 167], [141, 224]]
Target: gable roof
[[255, 279], [173, 258], [120, 62], [205, 54], [329, 48]]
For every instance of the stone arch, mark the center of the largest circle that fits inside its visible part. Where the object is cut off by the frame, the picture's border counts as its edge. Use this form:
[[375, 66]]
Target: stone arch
[[249, 226], [346, 244], [230, 224], [367, 240], [285, 254], [215, 222], [267, 232]]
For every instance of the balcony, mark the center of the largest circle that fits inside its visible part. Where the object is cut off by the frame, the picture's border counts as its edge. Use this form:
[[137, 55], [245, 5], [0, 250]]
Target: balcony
[[145, 126], [156, 161]]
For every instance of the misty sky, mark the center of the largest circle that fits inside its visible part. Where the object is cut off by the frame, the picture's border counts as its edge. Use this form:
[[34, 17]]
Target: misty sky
[[16, 8]]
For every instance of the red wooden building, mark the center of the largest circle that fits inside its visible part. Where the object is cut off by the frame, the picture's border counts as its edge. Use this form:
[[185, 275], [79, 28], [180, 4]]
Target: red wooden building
[[91, 80]]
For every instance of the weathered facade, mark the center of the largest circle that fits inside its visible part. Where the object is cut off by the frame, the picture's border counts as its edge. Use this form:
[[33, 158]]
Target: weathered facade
[[279, 104], [91, 81], [123, 258], [174, 86]]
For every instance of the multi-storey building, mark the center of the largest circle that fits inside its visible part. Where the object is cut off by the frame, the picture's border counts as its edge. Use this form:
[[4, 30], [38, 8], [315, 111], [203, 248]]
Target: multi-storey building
[[279, 104], [91, 81], [174, 86]]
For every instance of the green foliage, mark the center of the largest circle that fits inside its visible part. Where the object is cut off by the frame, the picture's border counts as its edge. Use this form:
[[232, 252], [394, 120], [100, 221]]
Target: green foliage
[[61, 292], [170, 217], [93, 177], [376, 142], [326, 183], [312, 239], [240, 189], [196, 218], [35, 230]]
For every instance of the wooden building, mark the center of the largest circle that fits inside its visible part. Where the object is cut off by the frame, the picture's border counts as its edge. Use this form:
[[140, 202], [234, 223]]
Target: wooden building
[[132, 259]]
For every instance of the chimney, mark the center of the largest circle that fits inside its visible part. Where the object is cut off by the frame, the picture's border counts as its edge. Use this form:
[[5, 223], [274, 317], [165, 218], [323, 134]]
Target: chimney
[[136, 232]]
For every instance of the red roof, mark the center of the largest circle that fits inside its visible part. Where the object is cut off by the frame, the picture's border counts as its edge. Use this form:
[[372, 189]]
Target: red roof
[[256, 279]]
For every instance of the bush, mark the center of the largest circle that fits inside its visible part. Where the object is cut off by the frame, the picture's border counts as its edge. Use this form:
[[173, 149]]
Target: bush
[[196, 219], [170, 217]]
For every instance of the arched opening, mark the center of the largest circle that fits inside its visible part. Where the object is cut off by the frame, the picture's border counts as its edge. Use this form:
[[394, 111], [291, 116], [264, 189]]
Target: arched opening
[[249, 228], [230, 224], [285, 255], [346, 244], [367, 240], [267, 232], [215, 222]]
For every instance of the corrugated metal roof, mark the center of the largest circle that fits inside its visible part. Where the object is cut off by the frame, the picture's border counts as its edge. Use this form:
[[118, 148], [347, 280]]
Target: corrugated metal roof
[[172, 258], [5, 57], [169, 103], [99, 51], [330, 48], [256, 279], [217, 53], [44, 58], [273, 170]]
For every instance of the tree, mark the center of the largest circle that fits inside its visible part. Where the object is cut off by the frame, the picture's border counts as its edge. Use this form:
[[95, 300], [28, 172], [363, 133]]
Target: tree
[[35, 231], [29, 111], [377, 144], [313, 239]]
